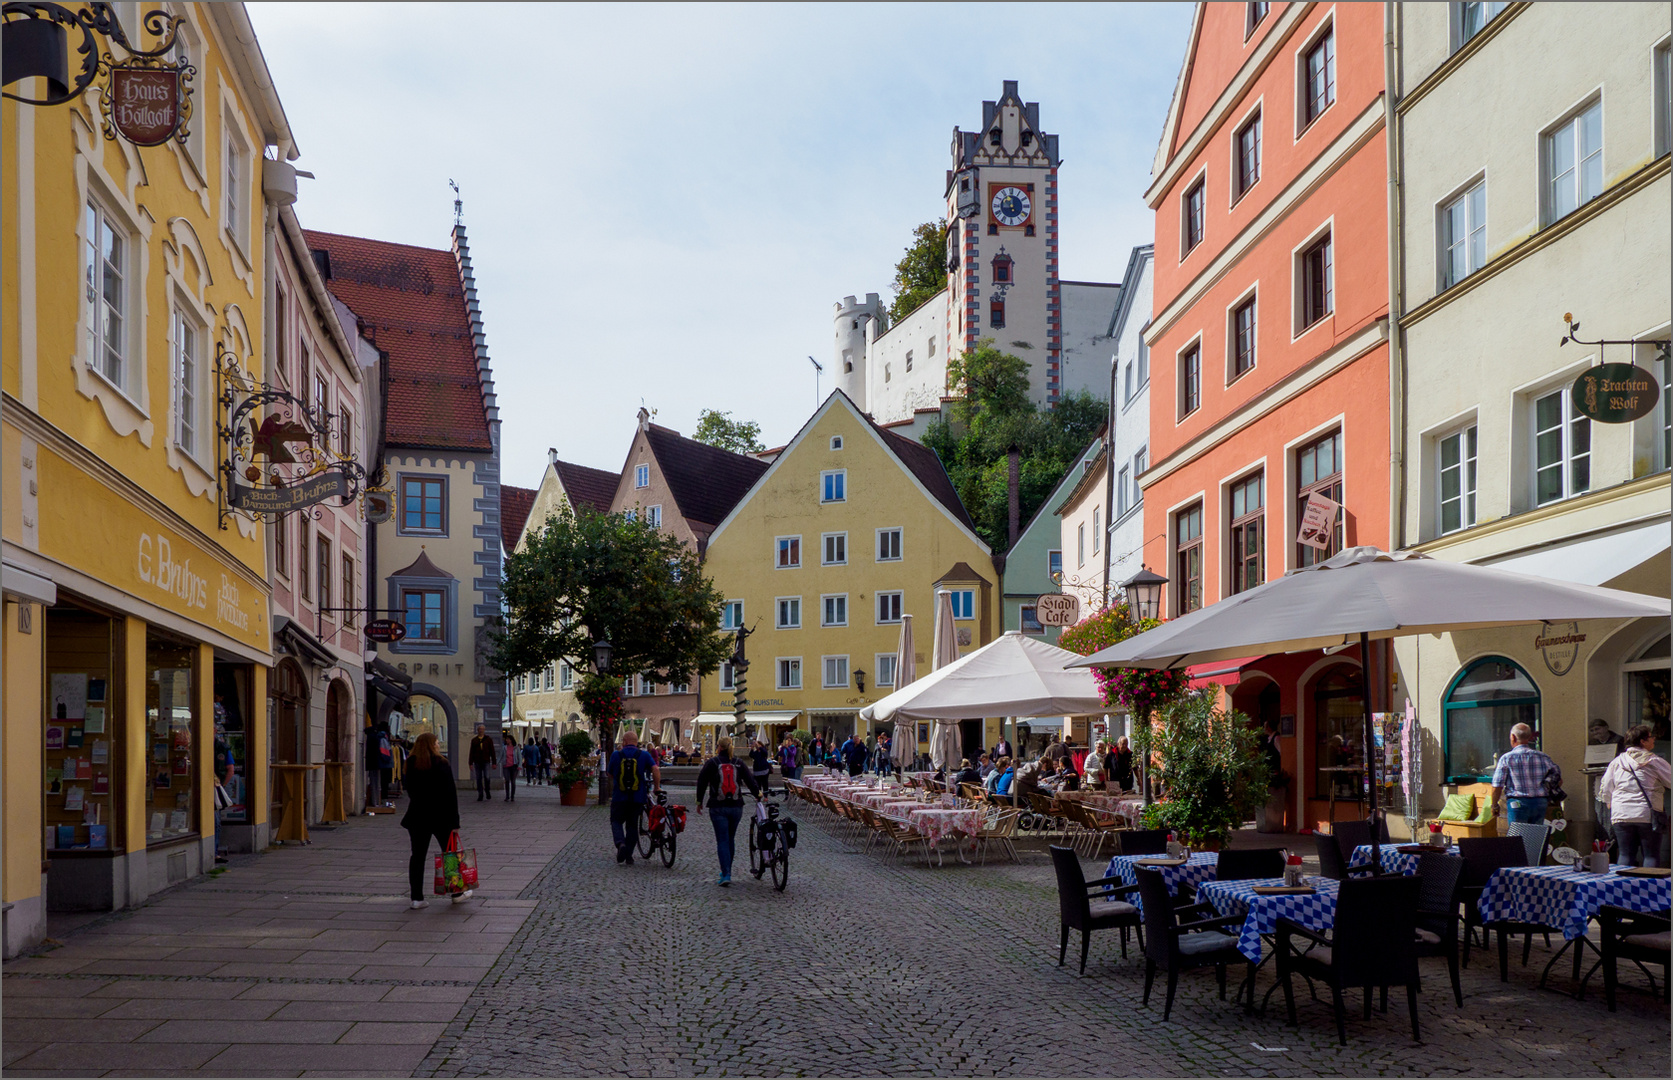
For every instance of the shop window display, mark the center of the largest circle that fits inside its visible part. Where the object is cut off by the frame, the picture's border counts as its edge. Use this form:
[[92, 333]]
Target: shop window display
[[1488, 698], [82, 757], [170, 739]]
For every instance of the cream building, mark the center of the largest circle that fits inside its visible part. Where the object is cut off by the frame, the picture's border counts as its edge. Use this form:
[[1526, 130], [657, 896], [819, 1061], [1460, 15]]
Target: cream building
[[1531, 143]]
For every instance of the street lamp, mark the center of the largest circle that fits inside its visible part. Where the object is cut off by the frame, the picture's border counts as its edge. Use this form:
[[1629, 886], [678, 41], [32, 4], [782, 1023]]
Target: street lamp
[[860, 678], [1144, 594], [601, 655]]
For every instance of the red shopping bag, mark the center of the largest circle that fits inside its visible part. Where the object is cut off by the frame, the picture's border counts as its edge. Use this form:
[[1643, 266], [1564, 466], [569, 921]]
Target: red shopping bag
[[676, 814], [455, 868]]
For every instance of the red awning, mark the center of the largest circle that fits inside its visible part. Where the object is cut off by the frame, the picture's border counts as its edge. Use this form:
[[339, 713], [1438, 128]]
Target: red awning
[[1222, 672]]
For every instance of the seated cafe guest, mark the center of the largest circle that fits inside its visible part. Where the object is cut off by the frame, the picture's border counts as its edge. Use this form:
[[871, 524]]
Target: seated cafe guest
[[1000, 779], [984, 766], [1030, 777], [967, 773]]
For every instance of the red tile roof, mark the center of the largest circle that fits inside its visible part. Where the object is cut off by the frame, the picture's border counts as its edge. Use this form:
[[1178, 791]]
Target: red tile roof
[[706, 481], [412, 305], [515, 504], [926, 466], [586, 486]]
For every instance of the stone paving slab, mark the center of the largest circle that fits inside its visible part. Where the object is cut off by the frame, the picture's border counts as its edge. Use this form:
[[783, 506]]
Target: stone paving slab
[[301, 961]]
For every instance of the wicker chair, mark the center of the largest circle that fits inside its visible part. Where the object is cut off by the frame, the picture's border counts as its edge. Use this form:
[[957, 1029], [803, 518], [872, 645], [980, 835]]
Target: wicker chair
[[1437, 912], [1635, 936], [1000, 829], [1373, 943], [1074, 906]]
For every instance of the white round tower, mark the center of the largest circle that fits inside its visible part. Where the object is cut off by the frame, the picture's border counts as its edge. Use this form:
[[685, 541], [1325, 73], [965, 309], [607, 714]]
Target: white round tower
[[854, 328]]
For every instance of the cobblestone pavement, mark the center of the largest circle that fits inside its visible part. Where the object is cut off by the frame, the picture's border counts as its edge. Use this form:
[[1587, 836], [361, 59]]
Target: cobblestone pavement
[[297, 962], [867, 968]]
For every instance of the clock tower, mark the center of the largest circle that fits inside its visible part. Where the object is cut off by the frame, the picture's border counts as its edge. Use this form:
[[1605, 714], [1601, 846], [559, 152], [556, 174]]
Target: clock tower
[[1002, 246]]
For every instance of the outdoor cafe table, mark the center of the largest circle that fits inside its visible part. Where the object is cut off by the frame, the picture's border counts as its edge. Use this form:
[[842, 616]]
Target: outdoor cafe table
[[1200, 867], [1393, 861], [1315, 911], [1566, 899], [936, 822]]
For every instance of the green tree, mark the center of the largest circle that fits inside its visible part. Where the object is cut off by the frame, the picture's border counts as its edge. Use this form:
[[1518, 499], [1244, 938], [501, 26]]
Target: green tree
[[587, 577], [992, 412], [1212, 764], [922, 271], [719, 429]]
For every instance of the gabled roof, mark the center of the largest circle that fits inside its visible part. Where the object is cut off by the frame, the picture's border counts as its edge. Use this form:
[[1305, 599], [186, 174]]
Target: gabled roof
[[706, 481], [586, 486], [411, 304], [1084, 469], [961, 573], [422, 567], [515, 504]]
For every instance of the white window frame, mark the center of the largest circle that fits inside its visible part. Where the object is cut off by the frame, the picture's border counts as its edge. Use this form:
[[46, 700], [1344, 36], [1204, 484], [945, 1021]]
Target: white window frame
[[1123, 483], [1468, 477], [1661, 81], [826, 541], [729, 621], [833, 604], [1569, 128], [1461, 34], [825, 680], [237, 161], [778, 542], [1181, 413], [546, 679], [1140, 459], [899, 544], [968, 597], [1250, 296], [728, 677], [1198, 184], [784, 666], [779, 609], [641, 476], [1298, 281], [566, 676], [1254, 115], [1567, 455], [1050, 573], [1097, 529], [898, 605], [1080, 545], [1326, 27], [1028, 619], [647, 685], [837, 479], [836, 442], [631, 513], [884, 664], [653, 516], [1471, 199], [95, 335], [190, 426]]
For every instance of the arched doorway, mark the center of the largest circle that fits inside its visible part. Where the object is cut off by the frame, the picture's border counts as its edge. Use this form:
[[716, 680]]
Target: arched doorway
[[339, 729], [1486, 699], [1339, 736], [428, 708], [287, 722]]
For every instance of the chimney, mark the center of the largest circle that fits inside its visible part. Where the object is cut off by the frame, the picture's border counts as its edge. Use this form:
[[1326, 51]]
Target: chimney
[[551, 455], [1013, 491]]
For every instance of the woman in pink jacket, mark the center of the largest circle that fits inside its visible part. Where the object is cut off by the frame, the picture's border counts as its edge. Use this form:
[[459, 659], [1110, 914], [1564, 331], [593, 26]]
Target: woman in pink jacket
[[508, 767]]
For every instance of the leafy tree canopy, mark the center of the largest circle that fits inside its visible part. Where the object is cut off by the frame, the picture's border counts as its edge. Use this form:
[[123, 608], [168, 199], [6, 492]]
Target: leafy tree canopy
[[719, 429], [993, 412], [1212, 764], [922, 271], [589, 576]]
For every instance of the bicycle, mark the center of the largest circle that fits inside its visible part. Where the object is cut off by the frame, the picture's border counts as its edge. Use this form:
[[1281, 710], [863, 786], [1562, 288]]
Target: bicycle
[[771, 836], [659, 827]]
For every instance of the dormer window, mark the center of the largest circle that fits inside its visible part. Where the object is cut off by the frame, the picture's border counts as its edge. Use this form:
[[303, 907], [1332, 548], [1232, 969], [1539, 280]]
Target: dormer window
[[836, 442], [1002, 269]]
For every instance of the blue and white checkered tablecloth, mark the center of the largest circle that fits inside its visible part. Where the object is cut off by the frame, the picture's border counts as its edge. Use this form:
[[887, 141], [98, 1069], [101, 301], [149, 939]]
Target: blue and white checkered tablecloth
[[1563, 898], [1315, 911], [1394, 862], [1199, 868]]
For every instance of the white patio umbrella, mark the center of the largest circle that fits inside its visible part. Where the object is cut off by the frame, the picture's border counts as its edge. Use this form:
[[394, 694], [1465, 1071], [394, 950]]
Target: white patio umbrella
[[904, 746], [1015, 675], [943, 732], [1368, 594]]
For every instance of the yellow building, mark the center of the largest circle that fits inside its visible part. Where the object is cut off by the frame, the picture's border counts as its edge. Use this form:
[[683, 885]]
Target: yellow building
[[852, 527], [131, 602]]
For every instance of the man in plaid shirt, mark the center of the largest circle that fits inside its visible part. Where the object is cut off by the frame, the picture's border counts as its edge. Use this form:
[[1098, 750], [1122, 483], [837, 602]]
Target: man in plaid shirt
[[1524, 778]]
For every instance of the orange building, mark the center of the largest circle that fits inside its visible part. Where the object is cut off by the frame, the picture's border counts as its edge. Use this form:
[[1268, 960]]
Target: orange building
[[1269, 347]]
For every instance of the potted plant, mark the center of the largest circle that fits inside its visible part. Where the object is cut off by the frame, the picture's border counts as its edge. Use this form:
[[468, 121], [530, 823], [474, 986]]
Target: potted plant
[[1215, 773], [574, 772]]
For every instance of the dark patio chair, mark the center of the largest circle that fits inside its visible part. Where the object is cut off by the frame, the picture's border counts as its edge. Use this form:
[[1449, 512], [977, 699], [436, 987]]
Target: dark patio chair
[[1175, 946], [1244, 865], [1333, 861], [1636, 936], [1141, 842], [1437, 911], [1482, 855], [1354, 834], [1373, 943], [1074, 906]]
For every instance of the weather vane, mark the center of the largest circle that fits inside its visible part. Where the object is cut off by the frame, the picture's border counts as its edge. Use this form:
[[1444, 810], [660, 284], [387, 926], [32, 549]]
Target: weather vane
[[458, 204]]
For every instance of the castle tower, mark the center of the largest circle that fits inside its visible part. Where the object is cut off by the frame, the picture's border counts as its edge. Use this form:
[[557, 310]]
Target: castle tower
[[1002, 278], [856, 323]]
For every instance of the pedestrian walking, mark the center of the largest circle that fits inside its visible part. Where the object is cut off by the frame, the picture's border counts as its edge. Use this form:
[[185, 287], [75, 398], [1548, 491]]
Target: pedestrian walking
[[759, 763], [632, 772], [853, 755], [722, 780], [790, 759], [481, 760], [432, 809], [885, 745], [531, 762], [375, 748], [545, 760], [1525, 779], [1634, 787], [508, 767]]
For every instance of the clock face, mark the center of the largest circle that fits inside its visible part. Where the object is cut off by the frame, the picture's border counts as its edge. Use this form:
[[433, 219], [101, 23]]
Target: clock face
[[1011, 206]]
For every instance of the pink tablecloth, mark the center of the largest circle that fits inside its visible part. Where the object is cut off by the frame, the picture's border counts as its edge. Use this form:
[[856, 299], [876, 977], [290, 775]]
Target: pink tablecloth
[[936, 823]]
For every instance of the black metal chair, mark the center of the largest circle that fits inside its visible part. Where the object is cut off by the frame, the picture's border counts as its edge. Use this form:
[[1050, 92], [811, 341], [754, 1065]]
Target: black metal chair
[[1354, 834], [1437, 911], [1637, 936], [1482, 855], [1074, 906], [1333, 861], [1141, 842], [1175, 946], [1373, 942]]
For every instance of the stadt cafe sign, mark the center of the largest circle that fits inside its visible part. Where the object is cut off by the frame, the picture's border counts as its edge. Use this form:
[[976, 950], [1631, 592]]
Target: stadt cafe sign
[[145, 98]]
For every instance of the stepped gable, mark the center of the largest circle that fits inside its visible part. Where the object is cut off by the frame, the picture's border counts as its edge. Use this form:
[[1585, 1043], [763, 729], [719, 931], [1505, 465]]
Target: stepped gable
[[926, 466], [411, 304], [707, 481], [515, 504], [589, 487]]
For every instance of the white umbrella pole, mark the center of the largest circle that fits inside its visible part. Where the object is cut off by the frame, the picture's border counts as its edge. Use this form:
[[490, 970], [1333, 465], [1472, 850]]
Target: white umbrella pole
[[1370, 747]]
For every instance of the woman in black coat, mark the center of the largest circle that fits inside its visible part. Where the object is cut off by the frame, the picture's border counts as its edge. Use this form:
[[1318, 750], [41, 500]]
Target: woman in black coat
[[432, 809]]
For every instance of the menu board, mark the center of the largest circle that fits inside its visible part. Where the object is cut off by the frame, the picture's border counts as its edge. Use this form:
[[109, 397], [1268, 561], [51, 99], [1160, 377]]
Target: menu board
[[79, 790]]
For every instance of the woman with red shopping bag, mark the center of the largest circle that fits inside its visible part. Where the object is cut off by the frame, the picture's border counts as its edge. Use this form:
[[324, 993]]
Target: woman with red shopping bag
[[432, 809]]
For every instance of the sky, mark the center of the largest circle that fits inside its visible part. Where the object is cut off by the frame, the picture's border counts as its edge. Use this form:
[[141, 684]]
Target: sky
[[665, 202]]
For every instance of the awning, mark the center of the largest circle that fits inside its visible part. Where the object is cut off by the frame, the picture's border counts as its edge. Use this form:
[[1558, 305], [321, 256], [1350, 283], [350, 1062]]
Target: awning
[[1596, 560], [1223, 672], [754, 719], [1041, 723], [27, 585], [300, 642]]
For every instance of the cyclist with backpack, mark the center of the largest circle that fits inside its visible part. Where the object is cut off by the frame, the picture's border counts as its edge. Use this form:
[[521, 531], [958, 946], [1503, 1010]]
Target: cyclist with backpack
[[723, 778], [632, 773]]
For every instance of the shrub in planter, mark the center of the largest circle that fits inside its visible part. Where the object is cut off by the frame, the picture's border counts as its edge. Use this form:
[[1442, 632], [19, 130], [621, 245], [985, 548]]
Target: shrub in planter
[[1212, 765]]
